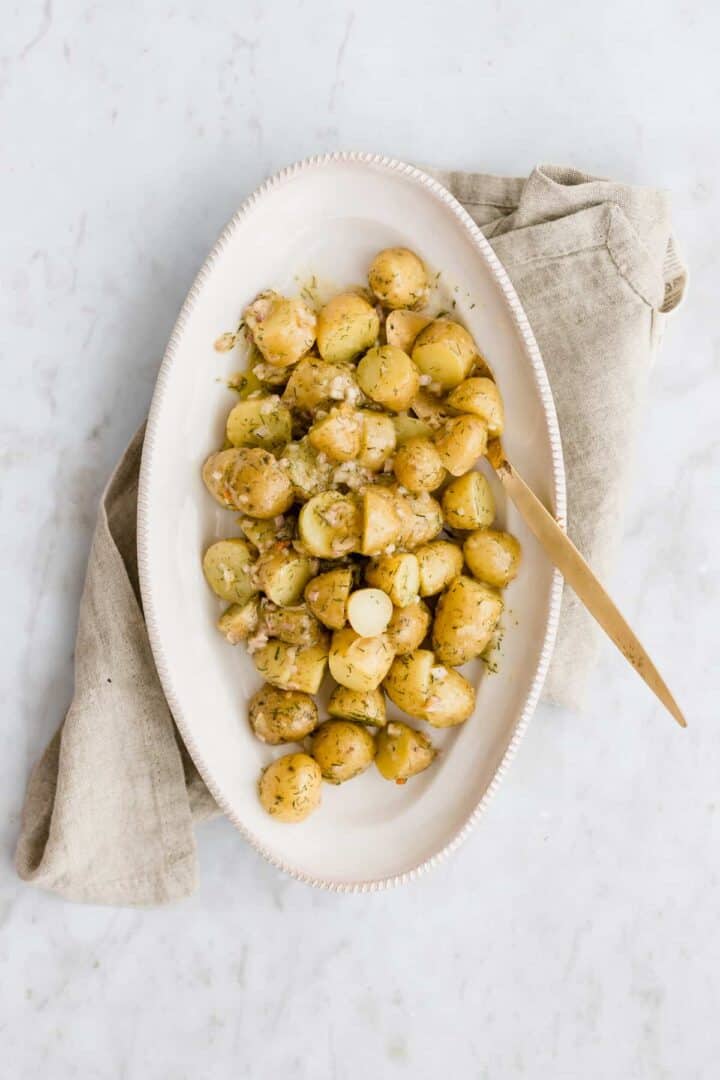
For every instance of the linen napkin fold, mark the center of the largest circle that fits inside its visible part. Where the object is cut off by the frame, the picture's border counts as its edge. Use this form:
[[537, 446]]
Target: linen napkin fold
[[110, 807]]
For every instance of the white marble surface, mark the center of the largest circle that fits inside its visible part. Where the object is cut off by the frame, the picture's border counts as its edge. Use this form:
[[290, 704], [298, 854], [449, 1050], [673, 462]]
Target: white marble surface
[[575, 934]]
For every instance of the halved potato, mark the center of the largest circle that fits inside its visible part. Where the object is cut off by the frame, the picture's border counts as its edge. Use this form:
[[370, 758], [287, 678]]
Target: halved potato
[[369, 611], [339, 435], [439, 562], [461, 442], [402, 327], [315, 383], [283, 329], [408, 627], [360, 663], [398, 575], [410, 427], [422, 519], [402, 752], [326, 596], [262, 421], [492, 556], [282, 573], [227, 566], [381, 525], [418, 465], [346, 326], [342, 750], [362, 706], [445, 351], [408, 682], [330, 525], [263, 534], [291, 667], [465, 618], [451, 700], [468, 502], [294, 625], [388, 376], [239, 621], [378, 439], [481, 397]]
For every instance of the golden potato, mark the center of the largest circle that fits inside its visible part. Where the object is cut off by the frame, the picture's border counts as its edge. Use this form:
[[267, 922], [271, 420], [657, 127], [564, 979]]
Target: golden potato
[[326, 596], [398, 278], [282, 573], [410, 427], [362, 706], [445, 351], [451, 700], [492, 556], [314, 384], [402, 327], [481, 397], [408, 627], [282, 329], [342, 750], [330, 525], [249, 479], [347, 325], [461, 442], [216, 473], [239, 621], [418, 465], [360, 663], [294, 625], [308, 473], [402, 752], [261, 421], [439, 562], [290, 787], [378, 440], [421, 518], [338, 435], [398, 575], [291, 667], [264, 534], [468, 503], [281, 716], [227, 566], [381, 525], [388, 376], [465, 618], [369, 611], [408, 682]]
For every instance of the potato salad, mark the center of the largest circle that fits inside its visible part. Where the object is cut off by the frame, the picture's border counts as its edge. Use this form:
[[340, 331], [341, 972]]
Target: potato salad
[[364, 551]]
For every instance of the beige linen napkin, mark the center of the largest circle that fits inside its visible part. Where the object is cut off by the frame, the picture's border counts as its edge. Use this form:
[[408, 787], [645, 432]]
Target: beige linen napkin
[[110, 808]]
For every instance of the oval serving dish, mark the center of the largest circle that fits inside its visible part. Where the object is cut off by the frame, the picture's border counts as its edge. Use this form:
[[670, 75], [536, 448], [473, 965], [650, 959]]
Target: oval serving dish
[[328, 216]]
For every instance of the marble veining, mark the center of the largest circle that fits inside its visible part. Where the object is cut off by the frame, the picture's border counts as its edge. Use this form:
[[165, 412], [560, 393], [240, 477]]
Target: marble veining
[[574, 933]]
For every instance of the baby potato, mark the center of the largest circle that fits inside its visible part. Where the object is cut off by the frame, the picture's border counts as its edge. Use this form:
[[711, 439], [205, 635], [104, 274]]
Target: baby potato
[[378, 439], [347, 325], [410, 427], [314, 384], [398, 575], [465, 618], [262, 421], [239, 621], [330, 525], [388, 376], [408, 627], [216, 473], [492, 556], [292, 667], [326, 596], [468, 503], [290, 787], [408, 682], [381, 525], [369, 611], [461, 442], [307, 473], [227, 566], [342, 750], [402, 327], [281, 716], [439, 563], [445, 351], [294, 625], [398, 278], [282, 573], [259, 486], [451, 700], [481, 397], [339, 435], [360, 663], [362, 706], [264, 534], [402, 752], [421, 517], [418, 465], [282, 329]]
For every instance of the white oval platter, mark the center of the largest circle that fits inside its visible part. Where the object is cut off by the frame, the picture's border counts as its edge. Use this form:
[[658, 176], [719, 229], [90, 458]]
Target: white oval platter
[[329, 215]]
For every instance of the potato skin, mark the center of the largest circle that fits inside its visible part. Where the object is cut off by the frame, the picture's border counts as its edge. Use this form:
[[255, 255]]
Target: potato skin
[[378, 439], [398, 575], [493, 556], [439, 562], [360, 663], [402, 752], [342, 749], [281, 716], [263, 422], [294, 625], [315, 383], [283, 329], [465, 618], [250, 480], [408, 627], [451, 700], [381, 524], [361, 706], [445, 351], [346, 326], [388, 376], [398, 278], [326, 596], [402, 327], [422, 519], [227, 566], [290, 787], [307, 472], [418, 465], [291, 667], [481, 397], [468, 502], [282, 573], [407, 684], [461, 442], [239, 621], [339, 435], [410, 427], [330, 525]]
